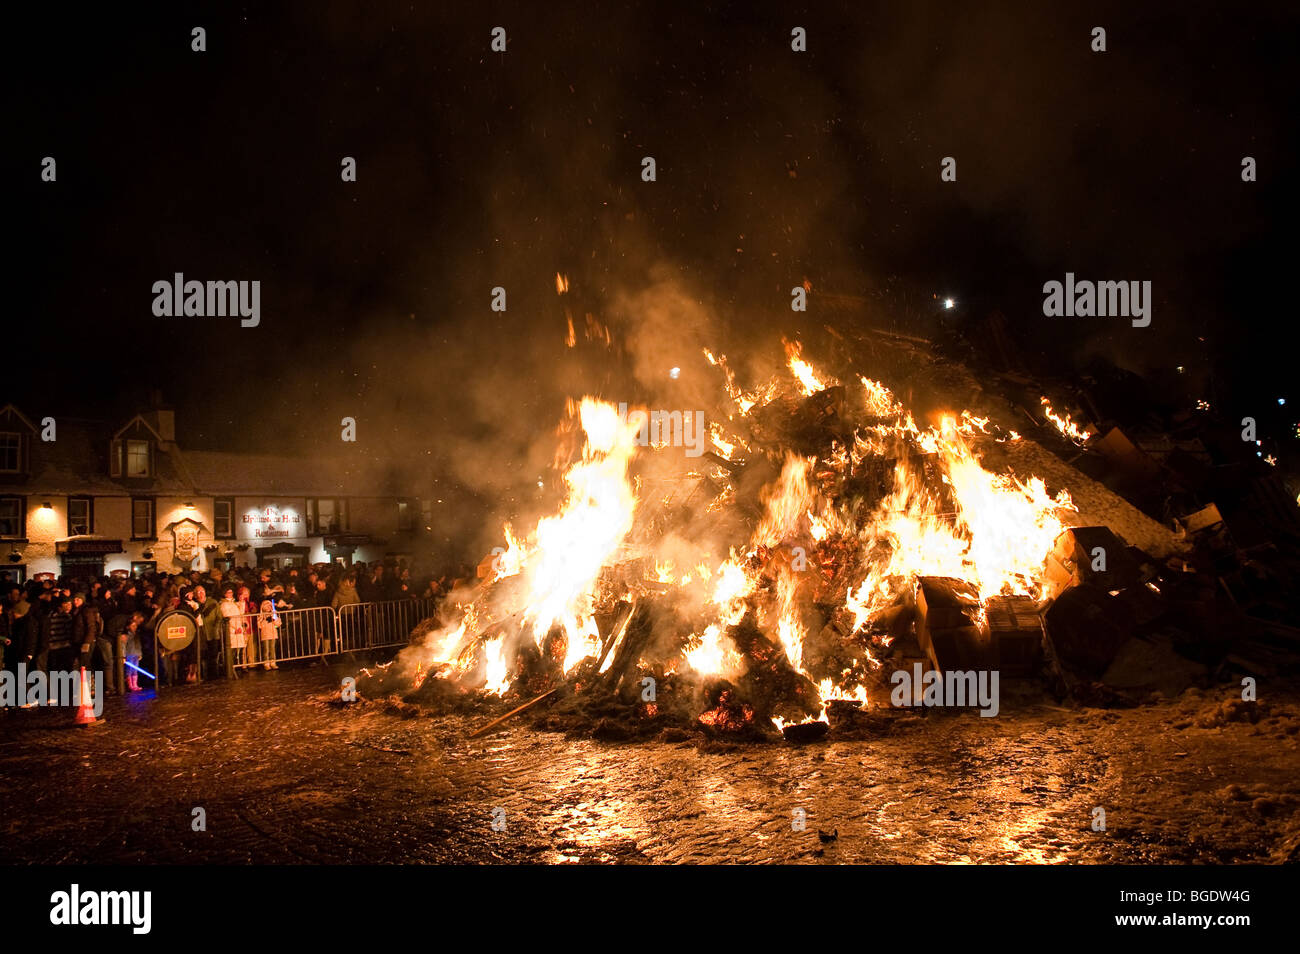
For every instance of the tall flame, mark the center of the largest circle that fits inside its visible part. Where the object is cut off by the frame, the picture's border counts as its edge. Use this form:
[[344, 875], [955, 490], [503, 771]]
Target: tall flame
[[568, 550], [802, 370]]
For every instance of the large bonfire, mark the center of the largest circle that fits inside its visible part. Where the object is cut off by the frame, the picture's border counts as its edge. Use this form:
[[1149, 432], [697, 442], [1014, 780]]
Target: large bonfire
[[755, 583]]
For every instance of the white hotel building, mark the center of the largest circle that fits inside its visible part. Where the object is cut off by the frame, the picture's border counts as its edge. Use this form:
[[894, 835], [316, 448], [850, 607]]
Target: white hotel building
[[103, 498]]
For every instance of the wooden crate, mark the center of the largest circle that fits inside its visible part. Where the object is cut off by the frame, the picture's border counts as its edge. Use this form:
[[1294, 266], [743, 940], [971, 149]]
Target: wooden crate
[[1015, 632]]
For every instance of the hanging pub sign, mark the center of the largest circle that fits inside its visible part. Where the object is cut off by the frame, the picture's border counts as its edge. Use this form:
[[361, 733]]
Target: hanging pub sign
[[185, 539], [175, 630]]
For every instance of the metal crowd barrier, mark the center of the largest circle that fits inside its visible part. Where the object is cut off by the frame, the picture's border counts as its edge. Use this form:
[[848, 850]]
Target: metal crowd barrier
[[315, 632], [376, 625]]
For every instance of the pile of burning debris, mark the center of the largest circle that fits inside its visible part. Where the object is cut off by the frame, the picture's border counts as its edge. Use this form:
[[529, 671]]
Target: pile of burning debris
[[827, 541]]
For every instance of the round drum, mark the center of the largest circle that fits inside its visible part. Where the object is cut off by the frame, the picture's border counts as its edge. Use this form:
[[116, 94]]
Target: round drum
[[175, 630]]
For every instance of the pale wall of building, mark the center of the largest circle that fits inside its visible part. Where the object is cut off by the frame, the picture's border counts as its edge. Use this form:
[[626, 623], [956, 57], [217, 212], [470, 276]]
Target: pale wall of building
[[258, 522]]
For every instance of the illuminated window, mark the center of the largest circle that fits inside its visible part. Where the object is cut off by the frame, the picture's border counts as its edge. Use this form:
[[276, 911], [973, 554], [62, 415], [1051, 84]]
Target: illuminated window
[[11, 452], [141, 518], [223, 518], [137, 458], [326, 515], [11, 516], [406, 513], [80, 516]]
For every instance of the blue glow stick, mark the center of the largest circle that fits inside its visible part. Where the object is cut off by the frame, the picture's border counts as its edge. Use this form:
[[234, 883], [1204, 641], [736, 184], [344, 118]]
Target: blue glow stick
[[138, 669]]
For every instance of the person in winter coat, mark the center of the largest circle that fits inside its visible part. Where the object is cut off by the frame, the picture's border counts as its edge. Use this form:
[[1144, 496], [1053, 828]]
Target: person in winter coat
[[133, 649], [56, 648], [268, 626], [88, 638], [6, 623], [129, 601], [19, 633], [207, 613], [346, 594], [245, 599], [237, 629]]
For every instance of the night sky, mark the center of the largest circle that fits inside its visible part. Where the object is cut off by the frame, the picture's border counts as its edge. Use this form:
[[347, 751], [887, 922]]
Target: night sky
[[478, 169]]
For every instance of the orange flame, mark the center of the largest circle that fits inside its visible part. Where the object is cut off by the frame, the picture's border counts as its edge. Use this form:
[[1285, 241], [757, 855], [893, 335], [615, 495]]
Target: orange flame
[[1065, 425]]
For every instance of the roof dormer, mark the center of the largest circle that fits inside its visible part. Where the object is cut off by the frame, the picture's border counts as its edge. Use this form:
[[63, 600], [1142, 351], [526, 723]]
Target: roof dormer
[[133, 452], [16, 433]]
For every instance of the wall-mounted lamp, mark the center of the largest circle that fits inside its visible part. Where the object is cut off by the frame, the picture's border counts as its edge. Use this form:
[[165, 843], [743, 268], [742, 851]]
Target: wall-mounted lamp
[[188, 505], [47, 506]]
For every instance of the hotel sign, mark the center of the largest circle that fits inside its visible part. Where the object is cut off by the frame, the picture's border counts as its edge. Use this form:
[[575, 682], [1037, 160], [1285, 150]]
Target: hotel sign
[[271, 523]]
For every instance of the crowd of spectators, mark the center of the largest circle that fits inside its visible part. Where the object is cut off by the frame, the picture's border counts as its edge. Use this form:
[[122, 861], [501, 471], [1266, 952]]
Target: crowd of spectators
[[108, 624]]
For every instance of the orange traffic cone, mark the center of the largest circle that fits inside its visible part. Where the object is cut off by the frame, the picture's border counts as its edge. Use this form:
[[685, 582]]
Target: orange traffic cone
[[85, 710]]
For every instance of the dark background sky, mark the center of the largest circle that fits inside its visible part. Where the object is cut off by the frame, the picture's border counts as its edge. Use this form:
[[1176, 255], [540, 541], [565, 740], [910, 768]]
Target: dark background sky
[[478, 169]]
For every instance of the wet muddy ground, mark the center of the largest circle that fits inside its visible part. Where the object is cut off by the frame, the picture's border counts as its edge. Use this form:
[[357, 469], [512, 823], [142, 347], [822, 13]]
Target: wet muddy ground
[[284, 778]]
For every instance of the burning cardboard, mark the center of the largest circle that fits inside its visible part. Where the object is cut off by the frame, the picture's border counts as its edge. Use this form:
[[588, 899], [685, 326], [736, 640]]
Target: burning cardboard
[[947, 624], [1090, 555]]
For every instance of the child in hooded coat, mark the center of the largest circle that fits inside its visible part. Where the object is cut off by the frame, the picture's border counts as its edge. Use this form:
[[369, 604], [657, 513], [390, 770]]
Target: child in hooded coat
[[237, 625], [268, 624]]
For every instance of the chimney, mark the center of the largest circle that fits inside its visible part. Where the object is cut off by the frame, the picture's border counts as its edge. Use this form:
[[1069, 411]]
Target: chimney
[[164, 422], [161, 417]]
